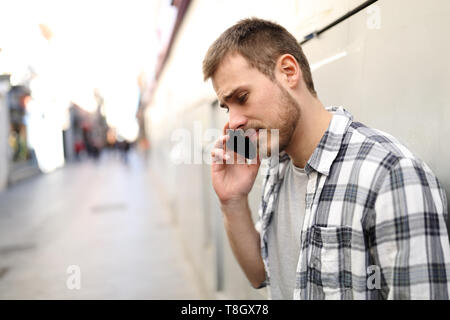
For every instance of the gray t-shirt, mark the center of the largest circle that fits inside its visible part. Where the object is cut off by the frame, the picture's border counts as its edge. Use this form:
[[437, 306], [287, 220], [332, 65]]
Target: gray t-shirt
[[284, 233]]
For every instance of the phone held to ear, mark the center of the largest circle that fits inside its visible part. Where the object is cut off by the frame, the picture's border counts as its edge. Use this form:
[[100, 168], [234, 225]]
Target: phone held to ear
[[241, 144]]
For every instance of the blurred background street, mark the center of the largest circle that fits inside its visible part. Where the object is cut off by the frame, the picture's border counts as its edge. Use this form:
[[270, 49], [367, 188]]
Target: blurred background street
[[104, 216]]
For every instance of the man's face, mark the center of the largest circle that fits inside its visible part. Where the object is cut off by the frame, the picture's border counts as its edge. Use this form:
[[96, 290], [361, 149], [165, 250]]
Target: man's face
[[255, 102]]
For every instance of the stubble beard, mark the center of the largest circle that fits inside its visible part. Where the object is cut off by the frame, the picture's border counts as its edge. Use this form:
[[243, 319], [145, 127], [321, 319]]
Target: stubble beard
[[286, 123]]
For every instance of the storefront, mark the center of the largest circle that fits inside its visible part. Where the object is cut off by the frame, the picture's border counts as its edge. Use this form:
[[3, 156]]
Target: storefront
[[21, 156], [4, 131]]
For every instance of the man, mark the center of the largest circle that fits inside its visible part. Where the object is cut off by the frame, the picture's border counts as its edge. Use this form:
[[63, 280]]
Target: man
[[347, 212]]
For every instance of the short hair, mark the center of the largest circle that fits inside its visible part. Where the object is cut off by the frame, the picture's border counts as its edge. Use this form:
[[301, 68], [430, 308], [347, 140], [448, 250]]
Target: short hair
[[261, 43]]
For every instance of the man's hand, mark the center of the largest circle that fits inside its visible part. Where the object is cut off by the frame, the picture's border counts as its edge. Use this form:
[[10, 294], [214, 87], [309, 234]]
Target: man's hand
[[234, 180], [232, 183]]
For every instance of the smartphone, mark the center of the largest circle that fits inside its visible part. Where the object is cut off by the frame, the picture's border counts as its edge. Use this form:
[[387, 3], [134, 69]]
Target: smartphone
[[241, 144]]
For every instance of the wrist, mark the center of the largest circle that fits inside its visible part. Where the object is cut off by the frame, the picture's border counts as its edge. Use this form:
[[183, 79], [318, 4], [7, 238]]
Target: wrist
[[234, 205]]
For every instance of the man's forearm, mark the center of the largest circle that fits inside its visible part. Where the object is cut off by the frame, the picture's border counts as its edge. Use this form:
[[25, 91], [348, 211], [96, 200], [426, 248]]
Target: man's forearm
[[244, 240]]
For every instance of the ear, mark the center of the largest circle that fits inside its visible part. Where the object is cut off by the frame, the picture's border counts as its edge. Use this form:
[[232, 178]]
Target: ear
[[289, 70]]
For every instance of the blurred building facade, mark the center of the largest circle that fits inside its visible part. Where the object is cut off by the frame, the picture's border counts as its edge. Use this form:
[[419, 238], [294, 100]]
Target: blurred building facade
[[50, 111], [360, 60], [18, 159], [4, 131]]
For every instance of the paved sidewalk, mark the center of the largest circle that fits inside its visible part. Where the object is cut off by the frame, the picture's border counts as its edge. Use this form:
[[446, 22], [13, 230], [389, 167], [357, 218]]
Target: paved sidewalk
[[103, 217]]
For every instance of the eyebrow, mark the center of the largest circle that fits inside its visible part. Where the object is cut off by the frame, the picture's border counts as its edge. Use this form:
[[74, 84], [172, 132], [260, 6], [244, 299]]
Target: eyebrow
[[228, 96]]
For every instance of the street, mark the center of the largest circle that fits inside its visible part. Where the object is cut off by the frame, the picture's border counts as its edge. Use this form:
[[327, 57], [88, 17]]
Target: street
[[106, 219]]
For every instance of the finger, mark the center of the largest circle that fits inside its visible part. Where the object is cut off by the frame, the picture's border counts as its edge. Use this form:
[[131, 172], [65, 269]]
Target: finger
[[219, 156], [239, 159], [226, 127], [255, 161], [221, 141]]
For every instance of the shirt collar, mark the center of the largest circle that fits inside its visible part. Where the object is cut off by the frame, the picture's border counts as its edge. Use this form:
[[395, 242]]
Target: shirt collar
[[324, 154]]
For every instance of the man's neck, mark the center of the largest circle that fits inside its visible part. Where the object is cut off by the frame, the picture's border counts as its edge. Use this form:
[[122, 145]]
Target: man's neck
[[312, 125]]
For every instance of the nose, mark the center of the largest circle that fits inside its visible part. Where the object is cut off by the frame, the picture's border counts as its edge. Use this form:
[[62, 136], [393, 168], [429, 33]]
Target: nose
[[237, 120]]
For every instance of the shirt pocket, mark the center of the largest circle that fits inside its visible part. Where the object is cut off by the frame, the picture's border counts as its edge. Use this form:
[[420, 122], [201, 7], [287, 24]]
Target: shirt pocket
[[330, 262]]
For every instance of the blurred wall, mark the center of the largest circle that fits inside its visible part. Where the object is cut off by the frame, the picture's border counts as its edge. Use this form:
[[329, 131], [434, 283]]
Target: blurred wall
[[392, 76], [4, 132]]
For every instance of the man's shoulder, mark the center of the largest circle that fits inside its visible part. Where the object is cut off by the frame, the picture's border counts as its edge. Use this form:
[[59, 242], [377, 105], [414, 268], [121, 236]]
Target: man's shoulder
[[383, 151], [376, 145]]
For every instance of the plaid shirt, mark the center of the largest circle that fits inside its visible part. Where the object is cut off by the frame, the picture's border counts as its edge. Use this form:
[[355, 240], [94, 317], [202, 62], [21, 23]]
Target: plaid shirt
[[375, 220]]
